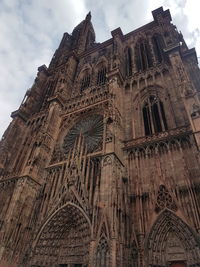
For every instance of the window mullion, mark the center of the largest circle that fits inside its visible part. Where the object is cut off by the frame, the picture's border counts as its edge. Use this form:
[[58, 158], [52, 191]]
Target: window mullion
[[160, 115], [149, 120], [146, 55], [104, 75], [140, 55], [98, 78], [151, 117]]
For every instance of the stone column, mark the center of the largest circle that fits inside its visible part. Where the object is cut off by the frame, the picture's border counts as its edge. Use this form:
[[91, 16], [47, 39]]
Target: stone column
[[188, 94], [91, 253]]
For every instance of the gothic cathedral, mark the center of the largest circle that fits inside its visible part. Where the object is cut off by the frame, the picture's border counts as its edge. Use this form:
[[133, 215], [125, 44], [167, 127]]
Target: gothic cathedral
[[100, 164]]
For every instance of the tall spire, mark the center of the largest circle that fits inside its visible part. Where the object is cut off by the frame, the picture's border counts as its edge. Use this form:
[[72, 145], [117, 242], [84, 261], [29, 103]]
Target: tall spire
[[83, 34]]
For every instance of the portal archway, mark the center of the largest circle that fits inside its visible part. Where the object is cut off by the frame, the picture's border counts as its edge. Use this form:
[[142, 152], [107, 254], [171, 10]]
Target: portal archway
[[172, 242], [64, 239]]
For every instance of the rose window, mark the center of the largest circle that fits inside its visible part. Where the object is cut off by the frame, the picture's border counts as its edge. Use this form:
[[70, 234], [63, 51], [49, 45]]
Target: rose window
[[91, 128]]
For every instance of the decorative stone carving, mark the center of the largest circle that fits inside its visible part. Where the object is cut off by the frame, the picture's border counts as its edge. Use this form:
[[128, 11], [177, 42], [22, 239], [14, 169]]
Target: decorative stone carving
[[80, 177], [164, 200], [174, 249], [195, 111], [68, 229], [178, 234], [107, 161], [102, 253]]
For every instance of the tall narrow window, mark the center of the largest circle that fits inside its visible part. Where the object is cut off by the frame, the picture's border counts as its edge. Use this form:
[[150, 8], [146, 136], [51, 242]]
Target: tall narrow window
[[163, 115], [101, 76], [143, 56], [128, 62], [85, 82], [154, 116], [158, 45], [102, 255], [146, 118]]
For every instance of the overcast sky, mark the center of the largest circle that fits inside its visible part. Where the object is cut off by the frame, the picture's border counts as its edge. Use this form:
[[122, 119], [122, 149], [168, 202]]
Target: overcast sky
[[30, 31]]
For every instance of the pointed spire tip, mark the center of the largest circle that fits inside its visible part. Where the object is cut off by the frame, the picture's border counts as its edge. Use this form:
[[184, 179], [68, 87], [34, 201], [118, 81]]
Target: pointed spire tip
[[88, 16]]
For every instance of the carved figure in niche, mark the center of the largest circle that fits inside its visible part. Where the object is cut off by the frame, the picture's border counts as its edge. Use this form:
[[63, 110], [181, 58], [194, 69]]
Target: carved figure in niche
[[61, 83], [174, 248], [107, 161], [195, 110], [4, 158], [113, 80], [180, 72], [134, 254], [109, 136], [72, 174]]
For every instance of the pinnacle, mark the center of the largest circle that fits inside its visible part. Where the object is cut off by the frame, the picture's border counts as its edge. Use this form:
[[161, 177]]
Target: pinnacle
[[88, 16]]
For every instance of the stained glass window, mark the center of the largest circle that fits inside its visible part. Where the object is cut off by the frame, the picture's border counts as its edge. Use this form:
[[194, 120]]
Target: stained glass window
[[92, 130]]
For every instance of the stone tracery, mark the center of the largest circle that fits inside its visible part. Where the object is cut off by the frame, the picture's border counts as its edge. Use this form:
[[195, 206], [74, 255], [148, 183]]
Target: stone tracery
[[164, 200], [169, 227], [92, 130], [108, 172], [64, 239], [102, 254]]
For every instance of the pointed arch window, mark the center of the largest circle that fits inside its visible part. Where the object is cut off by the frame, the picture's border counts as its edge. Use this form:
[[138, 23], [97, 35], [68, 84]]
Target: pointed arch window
[[101, 76], [158, 45], [128, 62], [143, 56], [154, 116], [102, 254]]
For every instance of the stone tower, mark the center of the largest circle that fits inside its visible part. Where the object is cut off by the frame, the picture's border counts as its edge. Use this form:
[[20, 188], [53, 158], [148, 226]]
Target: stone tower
[[100, 164]]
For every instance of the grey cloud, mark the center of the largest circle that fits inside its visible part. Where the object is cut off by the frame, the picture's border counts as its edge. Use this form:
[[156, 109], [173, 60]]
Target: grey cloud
[[30, 31], [116, 13]]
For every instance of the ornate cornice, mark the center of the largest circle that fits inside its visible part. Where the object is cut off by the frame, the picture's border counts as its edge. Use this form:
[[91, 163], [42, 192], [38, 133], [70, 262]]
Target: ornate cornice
[[155, 138]]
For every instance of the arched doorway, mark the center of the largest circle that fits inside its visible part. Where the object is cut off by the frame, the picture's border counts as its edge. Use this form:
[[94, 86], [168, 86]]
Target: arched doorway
[[172, 243], [64, 239]]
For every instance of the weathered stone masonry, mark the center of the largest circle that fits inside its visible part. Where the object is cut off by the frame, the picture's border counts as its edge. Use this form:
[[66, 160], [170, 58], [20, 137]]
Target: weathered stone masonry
[[100, 164]]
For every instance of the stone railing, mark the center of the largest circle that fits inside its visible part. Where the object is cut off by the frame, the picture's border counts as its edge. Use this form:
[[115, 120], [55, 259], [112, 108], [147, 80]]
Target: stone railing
[[12, 180], [157, 137], [91, 96], [7, 176]]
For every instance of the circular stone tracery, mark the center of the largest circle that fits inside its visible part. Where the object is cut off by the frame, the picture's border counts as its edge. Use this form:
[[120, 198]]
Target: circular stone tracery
[[91, 129]]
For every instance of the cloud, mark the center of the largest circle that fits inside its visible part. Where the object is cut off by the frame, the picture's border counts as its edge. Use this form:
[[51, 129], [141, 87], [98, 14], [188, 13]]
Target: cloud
[[30, 31], [116, 13]]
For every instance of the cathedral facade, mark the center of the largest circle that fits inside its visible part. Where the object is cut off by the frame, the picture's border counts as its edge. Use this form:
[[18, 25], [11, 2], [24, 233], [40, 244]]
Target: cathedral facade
[[100, 164]]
